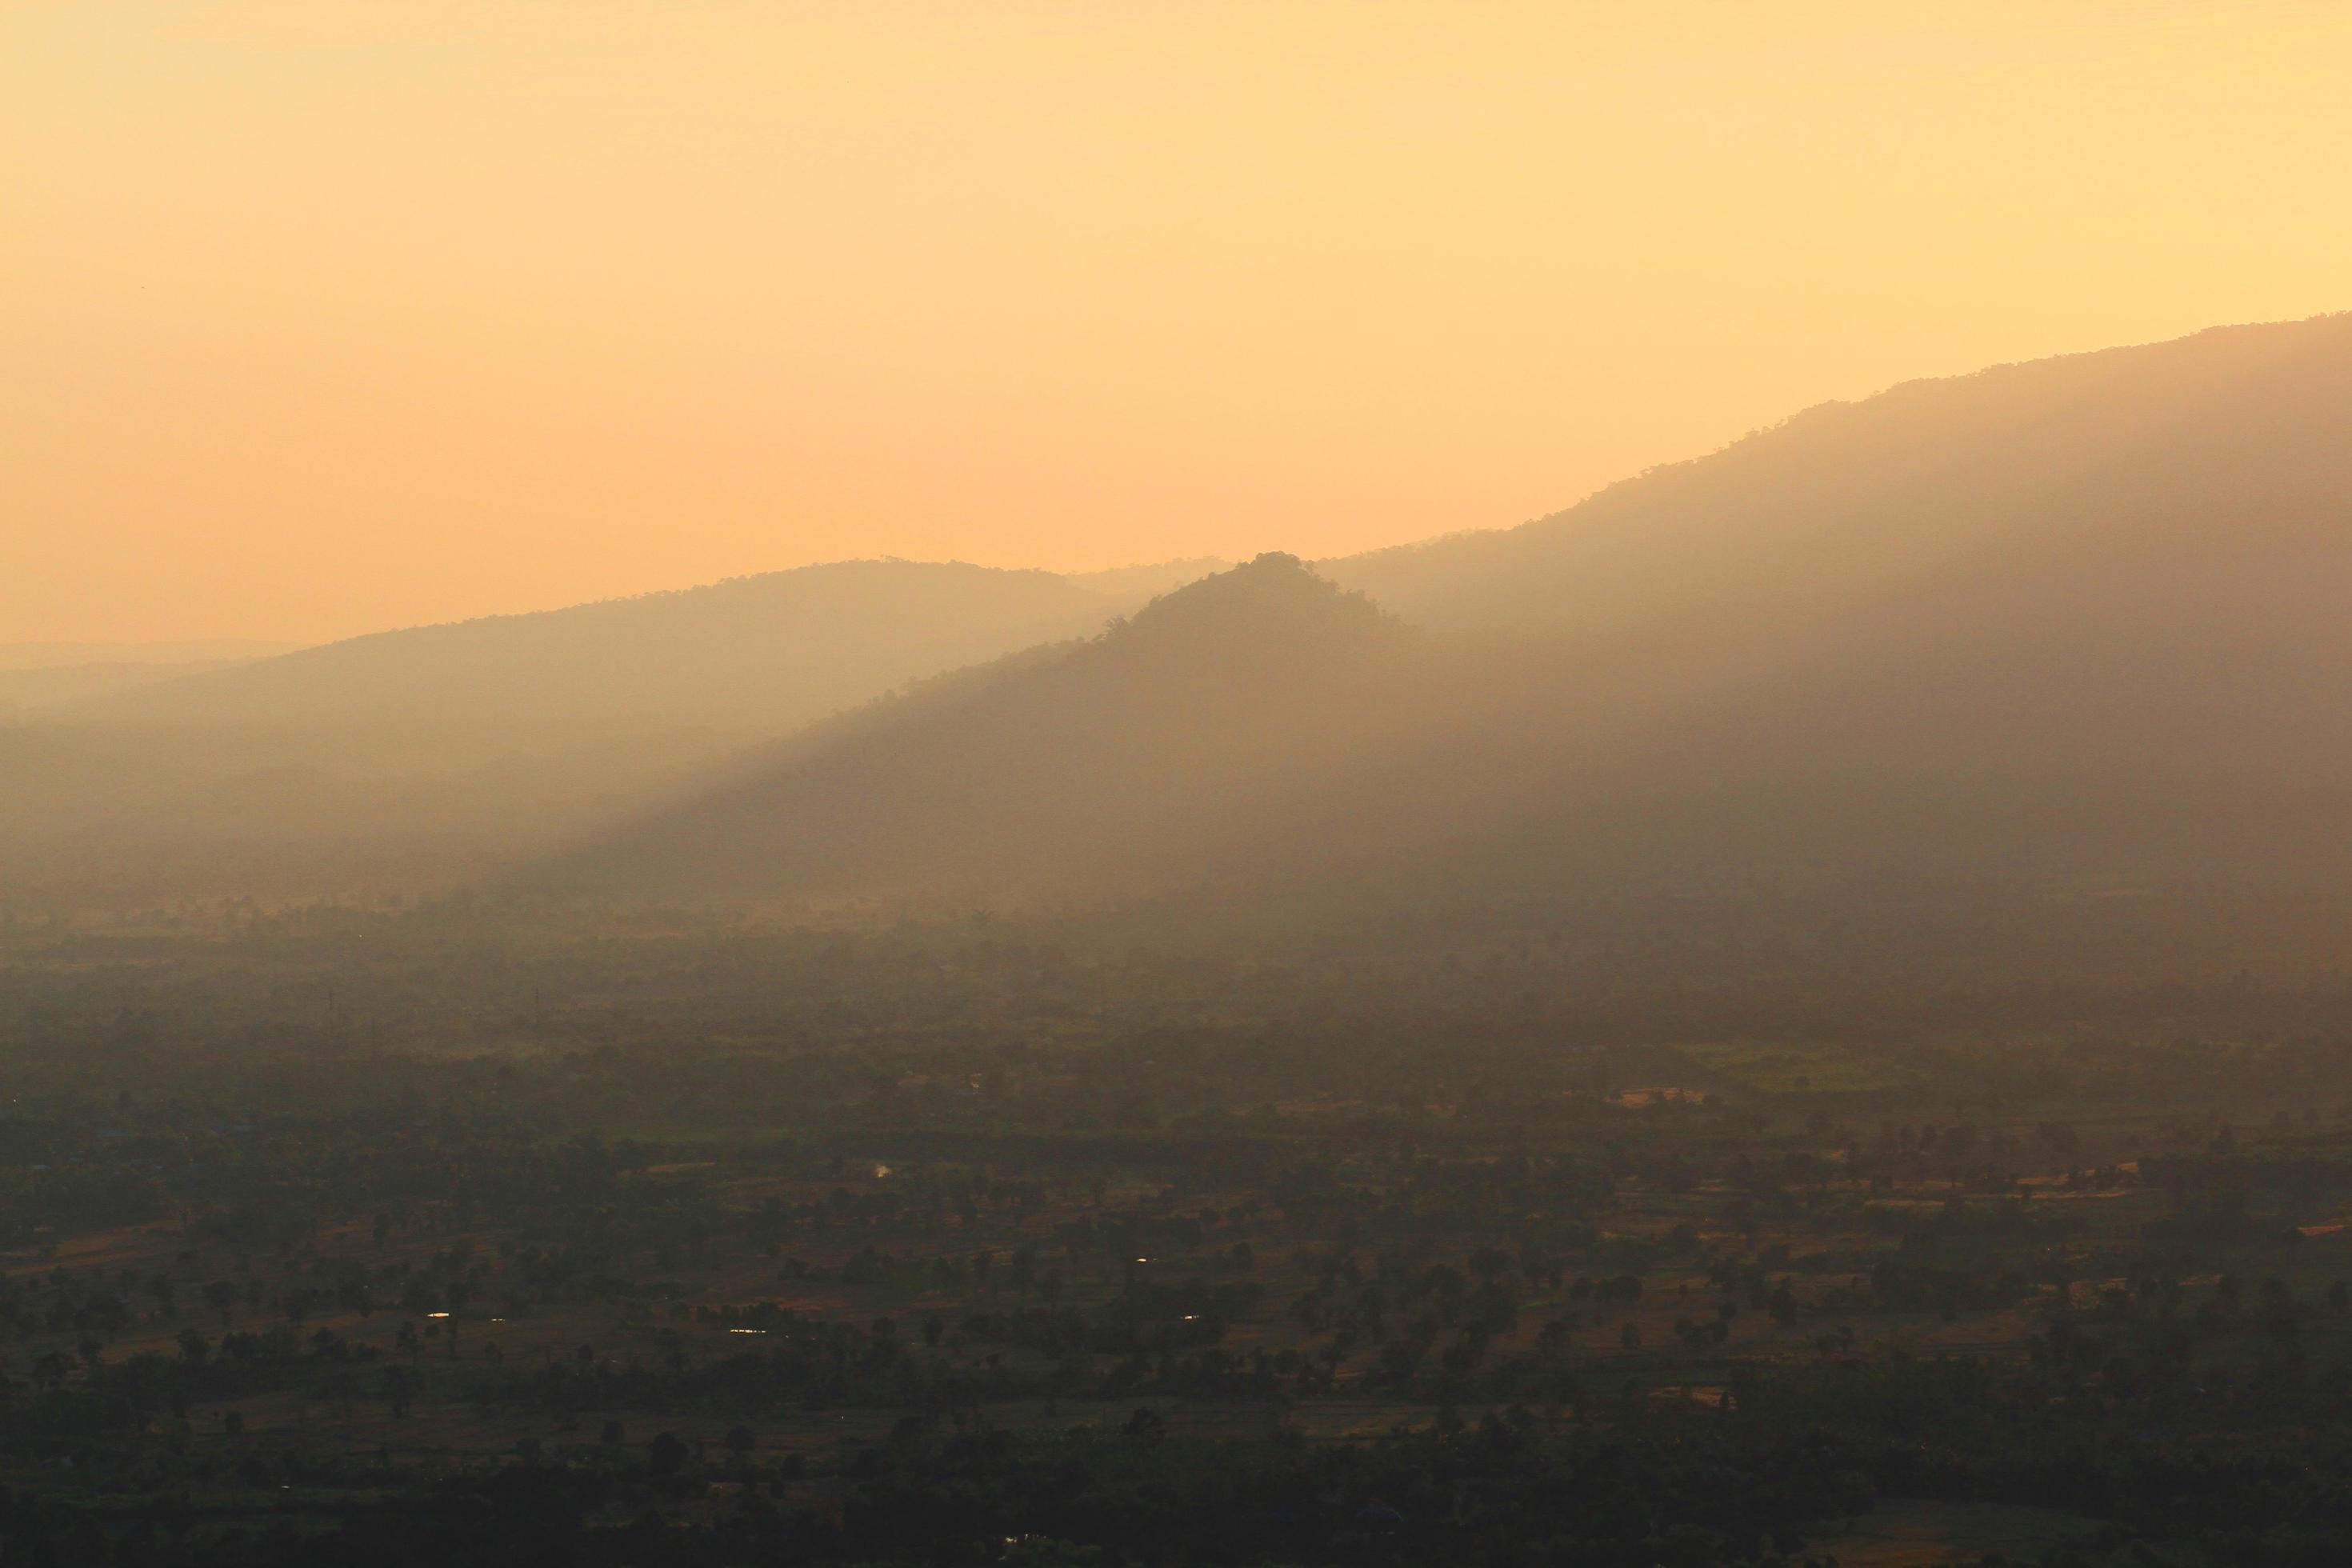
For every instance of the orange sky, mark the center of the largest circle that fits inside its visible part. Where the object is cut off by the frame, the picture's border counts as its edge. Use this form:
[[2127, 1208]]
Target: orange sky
[[318, 316]]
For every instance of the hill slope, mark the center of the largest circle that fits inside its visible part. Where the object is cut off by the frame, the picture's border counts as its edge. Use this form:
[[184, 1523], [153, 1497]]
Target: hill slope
[[38, 675], [766, 653], [1111, 759], [1846, 503], [414, 760]]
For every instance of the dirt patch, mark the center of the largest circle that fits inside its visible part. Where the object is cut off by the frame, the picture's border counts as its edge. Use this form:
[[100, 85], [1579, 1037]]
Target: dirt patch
[[1634, 1098]]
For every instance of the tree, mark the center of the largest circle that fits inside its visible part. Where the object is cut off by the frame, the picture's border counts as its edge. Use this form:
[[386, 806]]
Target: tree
[[400, 1384], [665, 1455]]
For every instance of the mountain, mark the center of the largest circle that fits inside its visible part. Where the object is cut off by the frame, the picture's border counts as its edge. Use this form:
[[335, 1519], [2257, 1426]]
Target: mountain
[[2106, 579], [1138, 585], [1847, 504], [159, 655], [37, 675], [420, 758], [47, 686], [1120, 757], [766, 653], [2050, 653], [2053, 653]]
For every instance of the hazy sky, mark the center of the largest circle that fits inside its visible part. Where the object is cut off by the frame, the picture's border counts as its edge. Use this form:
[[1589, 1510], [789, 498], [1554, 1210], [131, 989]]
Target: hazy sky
[[317, 316]]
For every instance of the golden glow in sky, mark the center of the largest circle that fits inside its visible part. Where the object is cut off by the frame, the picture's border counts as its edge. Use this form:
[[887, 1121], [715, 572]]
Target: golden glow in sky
[[319, 316]]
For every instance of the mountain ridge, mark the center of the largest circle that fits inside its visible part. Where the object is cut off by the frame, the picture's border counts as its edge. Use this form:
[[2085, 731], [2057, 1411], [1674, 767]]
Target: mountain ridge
[[1949, 641], [763, 653]]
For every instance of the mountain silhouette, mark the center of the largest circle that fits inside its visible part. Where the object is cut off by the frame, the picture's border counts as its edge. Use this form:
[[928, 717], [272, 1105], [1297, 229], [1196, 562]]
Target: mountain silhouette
[[1848, 504], [765, 654], [429, 757]]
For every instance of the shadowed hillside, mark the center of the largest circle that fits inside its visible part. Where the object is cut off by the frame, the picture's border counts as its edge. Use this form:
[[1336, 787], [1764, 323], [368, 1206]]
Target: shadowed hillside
[[2077, 622], [1846, 504], [1136, 585], [39, 675], [420, 759], [1107, 762]]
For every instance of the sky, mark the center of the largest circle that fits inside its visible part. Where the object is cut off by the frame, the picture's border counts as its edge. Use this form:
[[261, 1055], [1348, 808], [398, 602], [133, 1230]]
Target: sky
[[318, 317]]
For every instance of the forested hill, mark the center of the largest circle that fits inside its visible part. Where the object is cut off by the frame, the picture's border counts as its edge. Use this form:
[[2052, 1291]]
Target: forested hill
[[1115, 759]]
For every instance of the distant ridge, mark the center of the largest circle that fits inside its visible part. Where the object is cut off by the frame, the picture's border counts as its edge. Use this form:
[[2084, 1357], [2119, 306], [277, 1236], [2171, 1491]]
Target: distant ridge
[[76, 654], [419, 759], [1140, 583], [764, 654], [1847, 500]]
